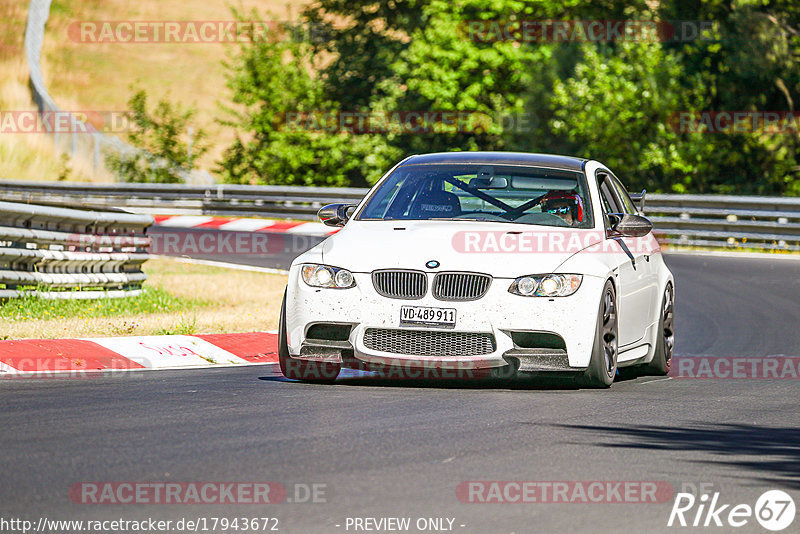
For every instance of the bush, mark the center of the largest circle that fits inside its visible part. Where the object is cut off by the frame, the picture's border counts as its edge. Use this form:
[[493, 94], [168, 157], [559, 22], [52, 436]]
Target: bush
[[164, 152]]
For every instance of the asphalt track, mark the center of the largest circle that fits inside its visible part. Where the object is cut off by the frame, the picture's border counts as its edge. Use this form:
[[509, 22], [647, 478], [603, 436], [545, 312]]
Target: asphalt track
[[385, 448], [239, 247]]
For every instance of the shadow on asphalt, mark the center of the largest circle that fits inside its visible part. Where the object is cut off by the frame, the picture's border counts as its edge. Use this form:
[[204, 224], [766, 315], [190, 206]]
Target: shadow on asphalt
[[543, 382], [486, 383], [370, 380], [776, 450]]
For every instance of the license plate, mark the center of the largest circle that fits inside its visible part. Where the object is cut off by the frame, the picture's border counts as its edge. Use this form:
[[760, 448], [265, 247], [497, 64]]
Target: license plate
[[426, 315]]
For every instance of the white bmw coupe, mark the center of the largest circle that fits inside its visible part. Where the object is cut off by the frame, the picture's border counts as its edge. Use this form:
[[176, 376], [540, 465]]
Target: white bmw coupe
[[466, 262]]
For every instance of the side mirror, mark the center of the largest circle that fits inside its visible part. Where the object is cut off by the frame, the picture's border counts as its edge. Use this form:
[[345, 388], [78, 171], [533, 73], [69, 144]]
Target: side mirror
[[639, 198], [335, 214], [629, 225]]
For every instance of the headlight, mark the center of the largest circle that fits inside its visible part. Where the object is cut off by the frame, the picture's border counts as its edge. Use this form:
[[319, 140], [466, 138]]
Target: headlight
[[326, 276], [546, 285]]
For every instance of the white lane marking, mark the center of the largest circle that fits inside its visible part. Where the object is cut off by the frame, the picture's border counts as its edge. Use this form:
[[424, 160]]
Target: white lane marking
[[185, 221], [246, 225], [660, 379], [732, 254]]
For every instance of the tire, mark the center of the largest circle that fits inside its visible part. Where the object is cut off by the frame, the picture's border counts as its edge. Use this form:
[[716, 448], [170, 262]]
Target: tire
[[665, 343], [313, 372], [603, 364]]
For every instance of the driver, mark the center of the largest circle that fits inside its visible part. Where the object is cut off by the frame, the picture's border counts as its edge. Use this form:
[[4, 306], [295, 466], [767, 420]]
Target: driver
[[564, 204]]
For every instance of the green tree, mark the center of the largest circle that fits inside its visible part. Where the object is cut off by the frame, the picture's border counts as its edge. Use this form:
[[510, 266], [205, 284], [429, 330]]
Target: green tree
[[435, 55], [619, 106], [613, 101], [164, 152], [287, 132], [446, 67], [748, 61]]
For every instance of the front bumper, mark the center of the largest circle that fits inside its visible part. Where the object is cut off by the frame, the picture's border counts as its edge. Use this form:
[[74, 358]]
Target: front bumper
[[498, 313]]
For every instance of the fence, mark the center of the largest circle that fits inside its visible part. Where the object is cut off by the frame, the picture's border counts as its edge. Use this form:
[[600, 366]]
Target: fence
[[770, 223], [61, 253], [90, 143], [698, 220]]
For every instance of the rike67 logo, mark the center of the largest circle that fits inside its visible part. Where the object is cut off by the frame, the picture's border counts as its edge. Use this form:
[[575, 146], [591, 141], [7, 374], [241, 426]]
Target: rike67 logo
[[774, 510]]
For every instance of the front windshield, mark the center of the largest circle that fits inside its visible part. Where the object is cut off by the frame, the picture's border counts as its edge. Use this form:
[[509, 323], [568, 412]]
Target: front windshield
[[475, 192]]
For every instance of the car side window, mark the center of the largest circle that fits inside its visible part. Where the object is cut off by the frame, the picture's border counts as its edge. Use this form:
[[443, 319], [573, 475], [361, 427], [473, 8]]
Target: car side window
[[625, 199], [608, 197], [607, 194]]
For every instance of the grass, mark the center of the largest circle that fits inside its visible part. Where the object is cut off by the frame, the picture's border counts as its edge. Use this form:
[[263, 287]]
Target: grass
[[81, 76], [152, 300], [181, 298], [185, 327], [30, 156], [34, 156], [102, 76], [12, 29]]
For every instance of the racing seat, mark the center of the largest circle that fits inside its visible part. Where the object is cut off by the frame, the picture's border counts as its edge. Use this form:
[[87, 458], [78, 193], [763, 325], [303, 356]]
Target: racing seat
[[435, 204]]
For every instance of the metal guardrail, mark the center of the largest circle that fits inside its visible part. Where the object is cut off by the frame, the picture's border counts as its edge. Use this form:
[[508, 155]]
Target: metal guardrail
[[768, 223], [61, 253], [280, 202], [698, 220]]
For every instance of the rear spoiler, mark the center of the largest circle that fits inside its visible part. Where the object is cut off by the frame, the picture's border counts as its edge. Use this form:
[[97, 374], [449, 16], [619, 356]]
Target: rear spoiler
[[639, 198]]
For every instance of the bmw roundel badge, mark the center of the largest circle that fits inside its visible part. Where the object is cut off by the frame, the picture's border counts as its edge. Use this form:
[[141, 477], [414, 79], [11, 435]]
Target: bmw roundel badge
[[432, 264]]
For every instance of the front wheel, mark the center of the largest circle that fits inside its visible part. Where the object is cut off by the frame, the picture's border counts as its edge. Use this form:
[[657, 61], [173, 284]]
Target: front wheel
[[665, 342], [603, 365], [307, 371]]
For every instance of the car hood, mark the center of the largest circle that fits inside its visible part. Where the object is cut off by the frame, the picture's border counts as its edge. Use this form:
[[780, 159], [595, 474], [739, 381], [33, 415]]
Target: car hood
[[504, 250]]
